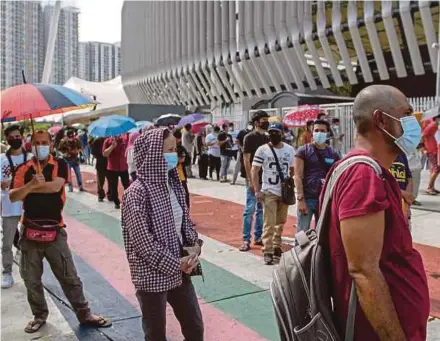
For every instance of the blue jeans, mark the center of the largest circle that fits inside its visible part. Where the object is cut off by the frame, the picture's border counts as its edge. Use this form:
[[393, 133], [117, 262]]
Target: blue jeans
[[252, 205], [226, 161], [304, 220], [75, 167]]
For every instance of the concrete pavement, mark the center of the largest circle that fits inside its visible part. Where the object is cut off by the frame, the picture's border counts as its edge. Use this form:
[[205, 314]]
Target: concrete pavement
[[233, 297]]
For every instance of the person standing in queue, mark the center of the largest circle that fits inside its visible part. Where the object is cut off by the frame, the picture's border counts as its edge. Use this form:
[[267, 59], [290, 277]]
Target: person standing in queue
[[39, 184], [369, 240], [101, 169], [157, 233], [11, 212], [114, 149], [251, 143]]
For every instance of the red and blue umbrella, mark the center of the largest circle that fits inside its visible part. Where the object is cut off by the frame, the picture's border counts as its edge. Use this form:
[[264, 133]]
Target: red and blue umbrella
[[29, 101]]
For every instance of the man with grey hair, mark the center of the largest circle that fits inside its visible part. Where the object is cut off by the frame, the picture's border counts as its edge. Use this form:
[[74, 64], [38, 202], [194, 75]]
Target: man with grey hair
[[369, 237]]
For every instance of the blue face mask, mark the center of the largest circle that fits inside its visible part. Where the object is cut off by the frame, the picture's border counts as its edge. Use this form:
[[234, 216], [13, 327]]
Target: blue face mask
[[320, 137], [412, 134], [171, 159]]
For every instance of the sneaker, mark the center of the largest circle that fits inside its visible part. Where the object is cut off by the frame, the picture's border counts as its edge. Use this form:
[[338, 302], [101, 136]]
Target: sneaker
[[223, 181], [268, 259], [70, 189], [258, 242], [7, 281], [277, 254], [117, 206], [100, 200], [81, 189]]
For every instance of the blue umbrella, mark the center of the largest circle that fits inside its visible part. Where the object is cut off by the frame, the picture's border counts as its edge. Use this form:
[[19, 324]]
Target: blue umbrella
[[190, 119], [141, 125], [111, 126]]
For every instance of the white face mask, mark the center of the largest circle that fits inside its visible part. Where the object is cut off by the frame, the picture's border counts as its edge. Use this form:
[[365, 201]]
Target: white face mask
[[43, 152]]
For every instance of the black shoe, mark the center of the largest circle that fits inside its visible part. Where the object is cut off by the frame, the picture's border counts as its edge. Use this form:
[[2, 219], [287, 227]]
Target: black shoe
[[277, 254], [258, 242], [117, 206], [268, 259], [100, 200]]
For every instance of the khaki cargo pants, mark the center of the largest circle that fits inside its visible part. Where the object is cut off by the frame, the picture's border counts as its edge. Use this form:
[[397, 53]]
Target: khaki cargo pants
[[60, 260], [274, 216]]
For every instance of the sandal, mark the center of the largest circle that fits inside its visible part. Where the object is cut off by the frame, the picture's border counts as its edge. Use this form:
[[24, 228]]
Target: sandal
[[431, 191], [100, 322], [245, 246], [34, 326]]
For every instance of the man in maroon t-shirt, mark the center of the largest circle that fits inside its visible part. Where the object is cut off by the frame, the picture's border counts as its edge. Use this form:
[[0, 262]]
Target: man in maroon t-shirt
[[369, 238], [114, 149]]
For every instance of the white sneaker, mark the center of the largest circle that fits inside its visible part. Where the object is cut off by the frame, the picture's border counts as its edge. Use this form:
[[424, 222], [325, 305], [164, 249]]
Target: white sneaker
[[7, 281]]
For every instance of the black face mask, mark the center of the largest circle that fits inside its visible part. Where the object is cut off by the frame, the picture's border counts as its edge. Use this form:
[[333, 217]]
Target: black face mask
[[275, 139], [15, 143], [264, 125]]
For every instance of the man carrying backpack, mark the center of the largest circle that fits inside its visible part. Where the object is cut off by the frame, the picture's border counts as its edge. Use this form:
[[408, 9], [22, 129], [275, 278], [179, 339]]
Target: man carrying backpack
[[11, 212], [369, 238]]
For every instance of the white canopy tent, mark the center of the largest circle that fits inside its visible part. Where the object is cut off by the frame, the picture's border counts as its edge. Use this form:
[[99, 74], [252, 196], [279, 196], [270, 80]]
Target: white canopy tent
[[110, 95]]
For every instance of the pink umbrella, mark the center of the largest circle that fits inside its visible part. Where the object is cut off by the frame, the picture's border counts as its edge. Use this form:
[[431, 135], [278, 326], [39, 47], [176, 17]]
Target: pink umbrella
[[198, 125], [299, 116], [219, 123], [54, 130]]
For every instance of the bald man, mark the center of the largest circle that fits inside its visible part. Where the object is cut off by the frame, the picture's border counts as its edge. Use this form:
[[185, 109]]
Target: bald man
[[369, 237]]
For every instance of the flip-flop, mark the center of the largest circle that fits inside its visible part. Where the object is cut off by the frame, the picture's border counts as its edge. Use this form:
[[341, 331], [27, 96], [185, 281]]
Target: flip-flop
[[99, 323], [431, 192], [34, 326]]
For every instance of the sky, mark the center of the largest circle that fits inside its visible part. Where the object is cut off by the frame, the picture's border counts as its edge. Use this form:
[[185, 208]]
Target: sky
[[99, 20]]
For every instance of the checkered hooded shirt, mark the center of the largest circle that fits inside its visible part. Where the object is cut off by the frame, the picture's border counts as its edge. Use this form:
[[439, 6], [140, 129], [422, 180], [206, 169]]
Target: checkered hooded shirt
[[151, 242]]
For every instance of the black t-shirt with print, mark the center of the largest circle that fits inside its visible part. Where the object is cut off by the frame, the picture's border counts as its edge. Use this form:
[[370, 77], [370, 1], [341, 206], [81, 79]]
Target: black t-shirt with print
[[252, 142], [225, 148]]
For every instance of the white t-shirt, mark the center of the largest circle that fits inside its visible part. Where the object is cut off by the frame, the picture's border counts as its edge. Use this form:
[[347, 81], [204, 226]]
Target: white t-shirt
[[213, 150], [177, 213], [265, 159], [10, 209]]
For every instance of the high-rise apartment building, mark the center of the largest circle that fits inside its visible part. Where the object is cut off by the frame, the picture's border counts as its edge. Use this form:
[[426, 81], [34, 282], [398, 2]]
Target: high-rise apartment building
[[99, 62], [65, 59], [21, 30]]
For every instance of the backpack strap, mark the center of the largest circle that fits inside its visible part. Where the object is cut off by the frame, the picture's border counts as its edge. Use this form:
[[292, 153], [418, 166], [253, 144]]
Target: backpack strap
[[334, 177], [11, 164], [280, 171]]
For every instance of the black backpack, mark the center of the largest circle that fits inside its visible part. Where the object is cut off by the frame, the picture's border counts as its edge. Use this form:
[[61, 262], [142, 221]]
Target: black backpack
[[300, 290]]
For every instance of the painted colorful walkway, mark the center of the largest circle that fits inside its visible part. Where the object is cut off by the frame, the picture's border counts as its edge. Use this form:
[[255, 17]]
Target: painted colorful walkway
[[234, 296]]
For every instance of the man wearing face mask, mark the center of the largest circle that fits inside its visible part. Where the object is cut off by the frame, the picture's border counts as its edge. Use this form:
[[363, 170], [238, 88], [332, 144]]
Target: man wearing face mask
[[270, 158], [313, 161], [368, 234], [11, 212], [39, 184], [251, 143]]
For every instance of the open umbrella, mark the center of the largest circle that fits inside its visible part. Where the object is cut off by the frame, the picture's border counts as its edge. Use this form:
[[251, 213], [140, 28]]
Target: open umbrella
[[219, 123], [190, 119], [168, 120], [111, 126], [54, 130], [431, 113], [196, 126], [299, 116], [141, 125], [29, 101]]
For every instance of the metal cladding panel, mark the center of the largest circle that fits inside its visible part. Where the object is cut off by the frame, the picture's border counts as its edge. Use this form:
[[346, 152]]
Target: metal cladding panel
[[211, 53]]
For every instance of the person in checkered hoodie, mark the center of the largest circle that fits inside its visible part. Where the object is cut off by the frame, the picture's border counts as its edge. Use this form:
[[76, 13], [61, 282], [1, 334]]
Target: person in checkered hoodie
[[157, 234]]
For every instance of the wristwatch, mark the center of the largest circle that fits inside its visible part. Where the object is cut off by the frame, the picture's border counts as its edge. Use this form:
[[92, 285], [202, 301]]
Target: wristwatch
[[300, 197]]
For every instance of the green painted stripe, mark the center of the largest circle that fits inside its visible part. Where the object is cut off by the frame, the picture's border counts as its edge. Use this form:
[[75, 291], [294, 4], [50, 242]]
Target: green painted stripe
[[231, 294]]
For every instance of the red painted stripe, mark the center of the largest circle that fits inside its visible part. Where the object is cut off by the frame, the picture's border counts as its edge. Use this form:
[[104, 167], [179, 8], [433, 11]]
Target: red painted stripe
[[110, 261]]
